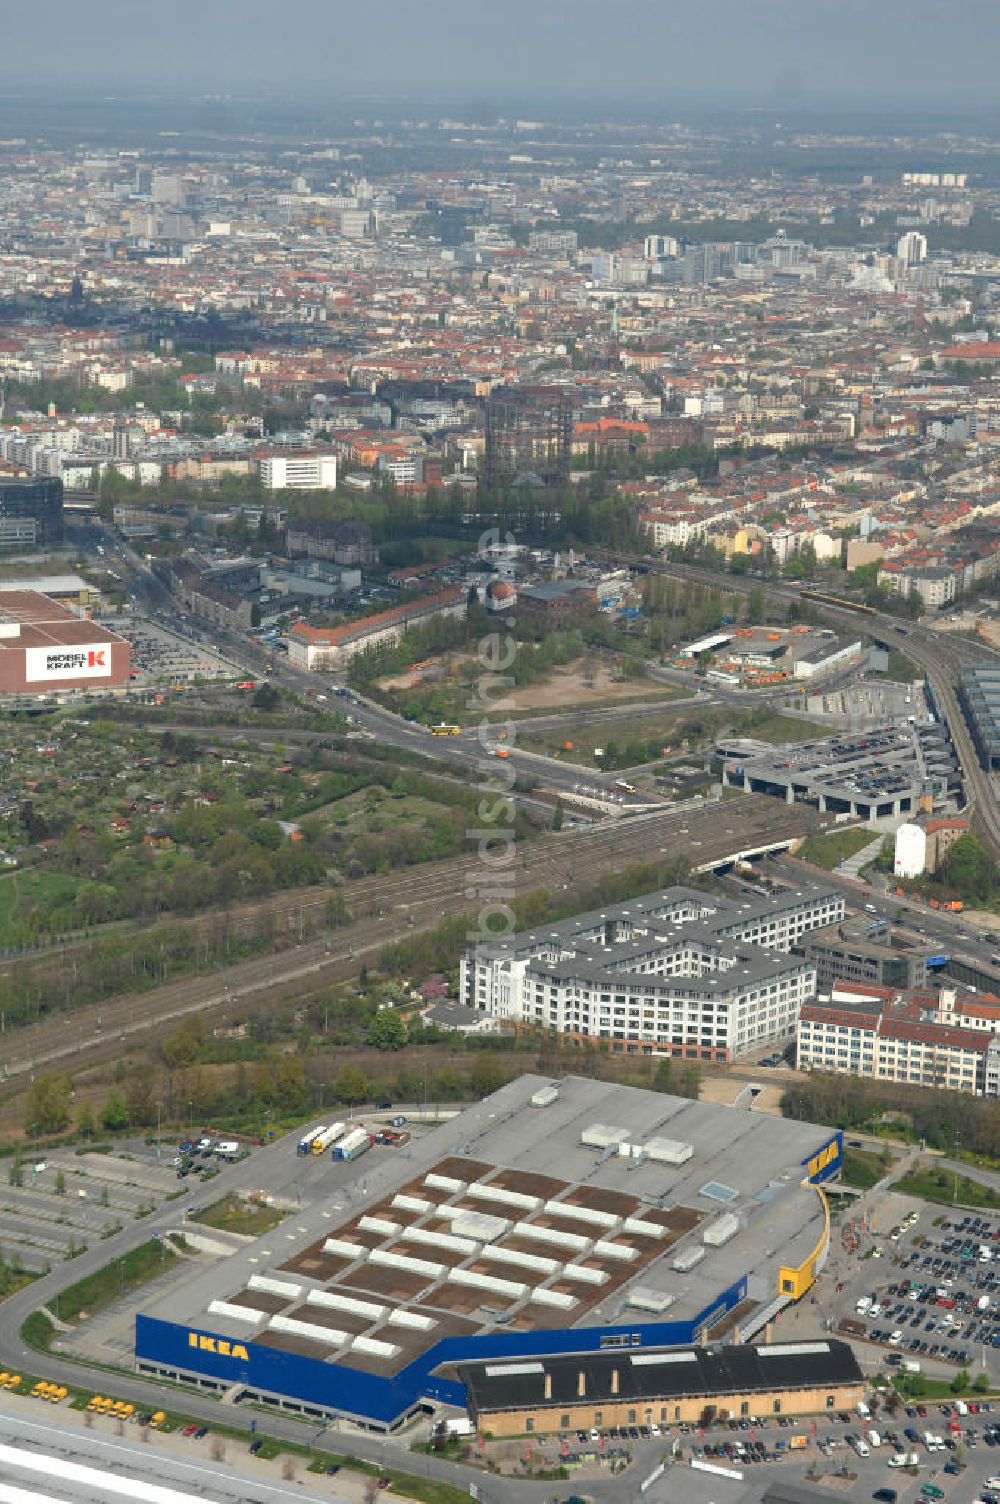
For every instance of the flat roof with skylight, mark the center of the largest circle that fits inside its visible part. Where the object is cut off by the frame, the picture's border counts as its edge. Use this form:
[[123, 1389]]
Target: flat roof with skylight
[[612, 1216]]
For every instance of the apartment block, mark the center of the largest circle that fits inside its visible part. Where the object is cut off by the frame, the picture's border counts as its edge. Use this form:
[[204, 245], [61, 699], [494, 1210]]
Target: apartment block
[[887, 1038], [679, 972]]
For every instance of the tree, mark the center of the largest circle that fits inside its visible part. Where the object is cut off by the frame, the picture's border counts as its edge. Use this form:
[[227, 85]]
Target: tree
[[352, 1086], [960, 1382], [982, 1384], [85, 1124], [290, 1086], [663, 1078], [387, 1030], [46, 1108], [968, 869], [487, 1076], [690, 1083], [557, 815], [266, 697], [255, 615], [115, 1114], [140, 1096]]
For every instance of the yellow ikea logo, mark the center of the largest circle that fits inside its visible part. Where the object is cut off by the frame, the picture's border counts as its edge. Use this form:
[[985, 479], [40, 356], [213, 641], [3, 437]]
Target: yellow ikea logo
[[819, 1161], [217, 1345]]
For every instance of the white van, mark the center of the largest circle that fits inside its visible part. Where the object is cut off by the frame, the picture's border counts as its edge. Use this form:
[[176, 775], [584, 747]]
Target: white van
[[861, 1447], [873, 1439]]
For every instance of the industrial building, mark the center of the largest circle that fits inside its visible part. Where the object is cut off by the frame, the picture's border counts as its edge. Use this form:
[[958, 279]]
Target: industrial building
[[662, 1388], [869, 953], [585, 1218], [751, 655], [529, 434], [31, 510], [44, 648], [889, 770], [979, 694], [679, 972]]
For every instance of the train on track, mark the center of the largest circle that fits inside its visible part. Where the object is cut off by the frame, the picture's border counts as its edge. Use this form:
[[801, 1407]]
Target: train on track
[[836, 600]]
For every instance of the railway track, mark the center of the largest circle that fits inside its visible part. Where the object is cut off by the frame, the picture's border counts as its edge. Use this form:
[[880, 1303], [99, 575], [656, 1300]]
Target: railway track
[[383, 909]]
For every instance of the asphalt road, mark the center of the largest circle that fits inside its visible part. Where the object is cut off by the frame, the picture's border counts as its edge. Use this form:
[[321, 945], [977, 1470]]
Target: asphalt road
[[952, 930]]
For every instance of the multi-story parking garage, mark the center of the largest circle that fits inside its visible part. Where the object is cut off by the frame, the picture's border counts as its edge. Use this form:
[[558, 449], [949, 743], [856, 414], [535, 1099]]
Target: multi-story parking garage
[[886, 771]]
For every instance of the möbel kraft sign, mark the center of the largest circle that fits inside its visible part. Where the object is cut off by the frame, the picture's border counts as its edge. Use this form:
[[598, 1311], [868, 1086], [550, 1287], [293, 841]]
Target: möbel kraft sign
[[88, 660]]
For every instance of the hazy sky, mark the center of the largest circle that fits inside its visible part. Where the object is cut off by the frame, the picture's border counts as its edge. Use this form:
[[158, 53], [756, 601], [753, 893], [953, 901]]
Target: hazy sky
[[938, 52]]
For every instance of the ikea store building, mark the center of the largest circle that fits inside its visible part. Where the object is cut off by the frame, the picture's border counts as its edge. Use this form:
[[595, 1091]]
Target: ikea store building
[[583, 1218]]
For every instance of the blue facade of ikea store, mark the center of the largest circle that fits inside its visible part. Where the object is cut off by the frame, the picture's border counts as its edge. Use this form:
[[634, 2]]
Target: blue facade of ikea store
[[383, 1402]]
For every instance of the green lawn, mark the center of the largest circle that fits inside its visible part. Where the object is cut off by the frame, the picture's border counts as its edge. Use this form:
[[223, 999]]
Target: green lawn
[[232, 1214], [948, 1189], [902, 670], [779, 728], [102, 1288], [22, 894], [830, 850], [862, 1168]]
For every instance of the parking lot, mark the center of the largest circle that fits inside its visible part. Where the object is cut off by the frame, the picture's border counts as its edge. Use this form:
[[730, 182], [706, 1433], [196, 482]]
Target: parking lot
[[856, 1457], [162, 657], [941, 1302], [66, 1202]]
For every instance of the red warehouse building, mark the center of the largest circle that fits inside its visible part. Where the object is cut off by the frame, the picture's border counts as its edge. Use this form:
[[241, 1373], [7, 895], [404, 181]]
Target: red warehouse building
[[45, 648]]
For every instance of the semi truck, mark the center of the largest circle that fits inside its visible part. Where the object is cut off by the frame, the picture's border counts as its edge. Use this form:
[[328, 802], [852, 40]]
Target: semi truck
[[352, 1145], [328, 1137], [308, 1139]]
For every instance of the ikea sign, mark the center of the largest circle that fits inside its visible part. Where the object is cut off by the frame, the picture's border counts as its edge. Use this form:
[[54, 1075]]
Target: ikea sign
[[217, 1345], [825, 1162]]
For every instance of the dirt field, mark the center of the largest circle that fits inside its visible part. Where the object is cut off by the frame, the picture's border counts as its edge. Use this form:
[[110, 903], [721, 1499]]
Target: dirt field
[[578, 684], [972, 622]]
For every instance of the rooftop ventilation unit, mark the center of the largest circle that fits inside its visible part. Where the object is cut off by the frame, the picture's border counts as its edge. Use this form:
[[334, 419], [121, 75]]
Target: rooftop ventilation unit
[[643, 1298], [235, 1313], [720, 1231], [668, 1151], [600, 1136], [274, 1286]]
